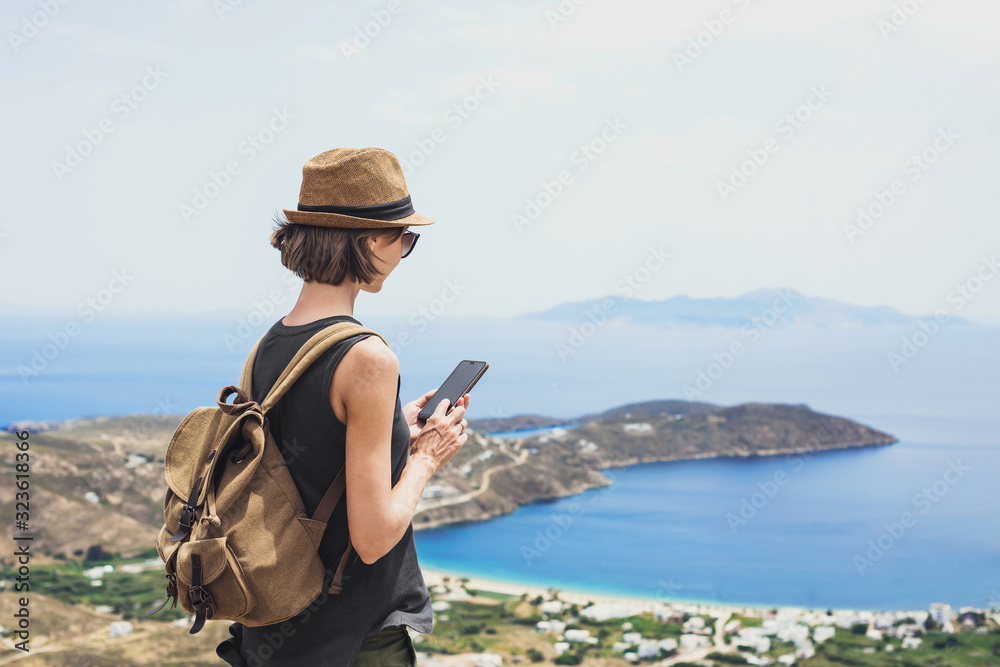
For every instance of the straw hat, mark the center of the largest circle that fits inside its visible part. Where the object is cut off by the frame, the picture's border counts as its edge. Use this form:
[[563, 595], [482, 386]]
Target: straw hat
[[354, 187]]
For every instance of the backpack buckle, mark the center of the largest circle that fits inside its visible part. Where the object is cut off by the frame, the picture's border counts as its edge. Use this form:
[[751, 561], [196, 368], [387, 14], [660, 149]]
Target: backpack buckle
[[185, 524], [187, 513], [201, 600]]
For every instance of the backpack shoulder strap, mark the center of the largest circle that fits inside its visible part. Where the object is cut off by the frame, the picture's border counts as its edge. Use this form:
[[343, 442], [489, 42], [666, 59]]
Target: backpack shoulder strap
[[312, 350], [307, 354]]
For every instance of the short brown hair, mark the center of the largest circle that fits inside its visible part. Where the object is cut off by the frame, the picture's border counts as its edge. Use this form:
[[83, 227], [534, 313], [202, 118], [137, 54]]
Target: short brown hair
[[328, 254]]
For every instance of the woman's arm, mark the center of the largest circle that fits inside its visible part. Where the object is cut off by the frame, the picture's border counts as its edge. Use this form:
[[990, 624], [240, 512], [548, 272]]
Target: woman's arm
[[377, 512]]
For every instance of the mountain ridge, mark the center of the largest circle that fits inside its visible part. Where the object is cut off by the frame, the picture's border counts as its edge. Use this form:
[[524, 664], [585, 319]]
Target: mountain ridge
[[767, 305]]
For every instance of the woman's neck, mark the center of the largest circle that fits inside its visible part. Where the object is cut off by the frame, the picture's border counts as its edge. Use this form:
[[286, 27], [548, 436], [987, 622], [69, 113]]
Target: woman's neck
[[319, 300]]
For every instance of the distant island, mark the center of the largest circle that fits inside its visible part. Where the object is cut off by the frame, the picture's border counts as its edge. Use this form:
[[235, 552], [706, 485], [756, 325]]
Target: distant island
[[103, 476], [790, 306]]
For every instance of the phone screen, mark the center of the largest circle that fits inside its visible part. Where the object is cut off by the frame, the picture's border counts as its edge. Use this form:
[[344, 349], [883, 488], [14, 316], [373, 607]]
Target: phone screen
[[459, 383]]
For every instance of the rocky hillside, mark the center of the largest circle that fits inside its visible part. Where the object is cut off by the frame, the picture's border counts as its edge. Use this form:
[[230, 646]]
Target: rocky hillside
[[99, 482]]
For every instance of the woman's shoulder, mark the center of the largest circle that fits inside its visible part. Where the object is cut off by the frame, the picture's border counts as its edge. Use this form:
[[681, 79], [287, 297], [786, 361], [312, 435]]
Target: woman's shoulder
[[371, 358]]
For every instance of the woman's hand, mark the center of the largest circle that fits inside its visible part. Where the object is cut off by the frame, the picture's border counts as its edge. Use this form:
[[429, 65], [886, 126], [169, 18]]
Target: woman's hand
[[443, 434], [412, 409], [410, 412]]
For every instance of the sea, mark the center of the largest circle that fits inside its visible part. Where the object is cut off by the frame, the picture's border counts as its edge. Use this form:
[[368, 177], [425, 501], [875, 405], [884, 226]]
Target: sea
[[882, 528]]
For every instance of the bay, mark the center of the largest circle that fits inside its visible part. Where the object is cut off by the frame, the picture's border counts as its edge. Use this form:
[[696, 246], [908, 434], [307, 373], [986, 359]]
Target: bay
[[682, 530]]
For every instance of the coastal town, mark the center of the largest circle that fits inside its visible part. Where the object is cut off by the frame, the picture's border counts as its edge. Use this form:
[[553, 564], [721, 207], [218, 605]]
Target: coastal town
[[94, 581], [576, 627]]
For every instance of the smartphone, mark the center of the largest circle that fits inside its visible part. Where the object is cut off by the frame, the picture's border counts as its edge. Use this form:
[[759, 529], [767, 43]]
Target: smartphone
[[459, 383]]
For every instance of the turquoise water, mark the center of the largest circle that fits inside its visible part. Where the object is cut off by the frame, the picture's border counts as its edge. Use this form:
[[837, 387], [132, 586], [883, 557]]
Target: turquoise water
[[675, 530], [661, 529]]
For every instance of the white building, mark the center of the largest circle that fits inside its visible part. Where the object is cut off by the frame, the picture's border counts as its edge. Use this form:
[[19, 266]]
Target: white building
[[940, 612], [554, 626], [632, 637], [602, 611], [642, 427], [885, 620], [560, 647], [806, 652], [648, 648], [668, 644], [121, 628], [577, 635], [551, 607], [823, 632], [689, 642], [912, 642], [487, 660]]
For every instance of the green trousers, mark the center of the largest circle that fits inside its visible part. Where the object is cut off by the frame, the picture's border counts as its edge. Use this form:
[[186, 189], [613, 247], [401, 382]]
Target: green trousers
[[390, 647]]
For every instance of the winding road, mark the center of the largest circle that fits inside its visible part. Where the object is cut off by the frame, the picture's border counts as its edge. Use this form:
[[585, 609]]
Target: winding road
[[484, 484]]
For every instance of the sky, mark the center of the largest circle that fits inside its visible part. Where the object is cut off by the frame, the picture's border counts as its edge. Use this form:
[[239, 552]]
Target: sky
[[847, 150]]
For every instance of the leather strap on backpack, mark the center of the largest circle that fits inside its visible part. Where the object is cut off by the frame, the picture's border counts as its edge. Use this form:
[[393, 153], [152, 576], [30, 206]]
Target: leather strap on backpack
[[323, 513], [312, 350], [187, 514], [201, 599]]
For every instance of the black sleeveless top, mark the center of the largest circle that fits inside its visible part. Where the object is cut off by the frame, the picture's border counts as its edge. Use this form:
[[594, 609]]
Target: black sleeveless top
[[390, 591]]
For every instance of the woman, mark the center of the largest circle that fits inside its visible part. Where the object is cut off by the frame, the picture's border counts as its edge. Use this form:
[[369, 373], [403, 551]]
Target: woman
[[348, 234]]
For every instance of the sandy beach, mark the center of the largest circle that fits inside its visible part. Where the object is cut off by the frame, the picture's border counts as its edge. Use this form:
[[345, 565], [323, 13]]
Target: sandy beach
[[434, 577]]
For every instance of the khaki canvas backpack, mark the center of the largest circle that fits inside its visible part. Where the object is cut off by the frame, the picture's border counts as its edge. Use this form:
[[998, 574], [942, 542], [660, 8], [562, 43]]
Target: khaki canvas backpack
[[236, 541]]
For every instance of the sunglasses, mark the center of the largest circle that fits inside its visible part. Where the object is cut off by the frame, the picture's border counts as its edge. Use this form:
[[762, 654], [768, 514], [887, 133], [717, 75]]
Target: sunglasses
[[409, 240]]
